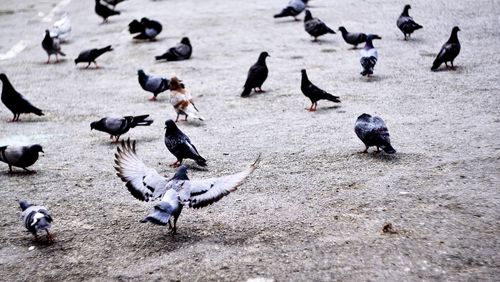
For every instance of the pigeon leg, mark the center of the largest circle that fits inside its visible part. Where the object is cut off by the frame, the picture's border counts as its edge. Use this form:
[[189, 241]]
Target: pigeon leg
[[152, 98], [452, 66], [88, 66], [27, 170], [366, 150], [176, 163], [315, 105], [57, 58], [378, 149], [10, 169], [177, 119], [96, 65], [260, 90], [186, 118], [50, 238], [310, 108], [48, 60], [446, 64]]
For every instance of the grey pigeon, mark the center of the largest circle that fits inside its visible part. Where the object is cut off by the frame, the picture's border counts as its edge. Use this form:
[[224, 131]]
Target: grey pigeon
[[449, 51], [145, 184], [16, 102], [314, 93], [352, 38], [152, 83], [20, 156], [104, 11], [51, 45], [373, 132], [117, 126], [179, 52], [36, 219], [406, 23], [89, 56], [293, 8], [147, 29], [180, 145], [257, 75], [369, 55], [315, 27]]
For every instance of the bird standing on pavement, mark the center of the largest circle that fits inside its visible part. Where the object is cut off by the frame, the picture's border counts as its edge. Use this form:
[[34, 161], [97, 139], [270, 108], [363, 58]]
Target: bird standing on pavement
[[315, 94], [147, 29], [180, 146], [257, 75], [182, 101], [406, 23], [16, 102], [293, 8], [373, 132], [20, 156], [36, 219], [89, 56], [315, 27], [181, 51], [449, 51], [152, 83], [104, 11], [117, 126], [51, 45], [369, 55], [352, 37]]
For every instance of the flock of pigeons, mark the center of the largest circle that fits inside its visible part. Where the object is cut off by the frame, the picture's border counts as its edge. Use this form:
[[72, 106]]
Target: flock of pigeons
[[144, 183]]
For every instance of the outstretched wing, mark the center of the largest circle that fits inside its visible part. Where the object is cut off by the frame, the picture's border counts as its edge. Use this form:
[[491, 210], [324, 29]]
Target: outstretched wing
[[144, 183], [208, 191]]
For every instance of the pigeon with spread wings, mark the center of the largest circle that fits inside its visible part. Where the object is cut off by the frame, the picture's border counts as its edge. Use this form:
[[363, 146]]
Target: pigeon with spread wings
[[145, 184]]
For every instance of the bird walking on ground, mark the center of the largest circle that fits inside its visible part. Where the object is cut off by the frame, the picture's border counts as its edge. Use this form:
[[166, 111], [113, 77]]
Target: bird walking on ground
[[449, 51], [117, 126], [51, 45], [257, 75], [181, 51], [373, 132], [89, 56], [369, 55], [104, 11], [36, 219], [20, 156], [152, 83], [16, 102], [182, 101], [315, 94], [406, 23], [293, 8], [147, 29], [172, 193], [315, 27], [180, 145], [352, 38]]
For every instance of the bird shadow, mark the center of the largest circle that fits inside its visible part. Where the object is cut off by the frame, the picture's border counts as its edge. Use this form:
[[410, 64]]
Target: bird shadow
[[457, 69], [51, 62], [146, 41], [378, 155], [327, 109], [18, 173], [373, 78], [289, 21], [90, 68]]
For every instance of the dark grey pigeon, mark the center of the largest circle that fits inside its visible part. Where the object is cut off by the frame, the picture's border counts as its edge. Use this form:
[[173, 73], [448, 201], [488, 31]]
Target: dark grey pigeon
[[152, 83], [406, 23], [352, 38], [373, 132], [449, 51], [180, 146], [147, 29], [293, 8], [16, 102], [113, 2], [257, 75], [179, 52], [315, 27], [369, 55], [117, 126], [89, 56], [20, 156], [314, 94], [51, 45], [36, 219], [145, 184], [104, 11]]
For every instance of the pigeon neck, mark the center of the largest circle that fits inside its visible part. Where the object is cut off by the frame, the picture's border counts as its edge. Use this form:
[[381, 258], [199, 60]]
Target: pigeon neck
[[6, 84], [304, 78], [405, 13], [261, 60], [453, 37], [369, 44]]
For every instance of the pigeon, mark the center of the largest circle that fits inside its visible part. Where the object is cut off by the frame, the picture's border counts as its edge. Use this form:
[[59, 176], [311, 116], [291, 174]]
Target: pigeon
[[104, 11], [89, 56], [179, 52], [51, 46], [62, 28], [35, 219], [173, 193], [352, 38], [257, 74], [116, 126], [449, 51], [182, 101], [16, 102], [373, 132], [315, 94], [406, 23], [20, 156], [153, 84], [369, 55], [113, 2], [315, 27], [293, 8], [180, 146], [147, 29]]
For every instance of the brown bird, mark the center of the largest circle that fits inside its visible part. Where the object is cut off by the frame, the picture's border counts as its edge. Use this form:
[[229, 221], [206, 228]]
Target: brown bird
[[182, 101]]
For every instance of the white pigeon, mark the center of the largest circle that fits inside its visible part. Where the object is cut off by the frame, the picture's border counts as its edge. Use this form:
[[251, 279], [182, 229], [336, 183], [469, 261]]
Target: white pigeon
[[62, 29]]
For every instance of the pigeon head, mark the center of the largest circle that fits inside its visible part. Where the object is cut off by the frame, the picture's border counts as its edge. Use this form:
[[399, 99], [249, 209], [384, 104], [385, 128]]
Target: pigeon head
[[455, 29], [24, 205], [181, 173], [407, 7], [262, 58], [140, 72], [308, 16], [175, 83], [145, 20], [186, 41], [170, 126], [342, 29], [37, 148], [93, 125], [3, 77]]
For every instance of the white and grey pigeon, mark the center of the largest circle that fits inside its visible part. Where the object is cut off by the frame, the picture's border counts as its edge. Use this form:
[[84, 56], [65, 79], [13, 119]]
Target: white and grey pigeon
[[20, 156], [182, 51], [369, 55], [293, 8], [117, 126], [406, 23], [62, 29], [315, 27], [51, 45], [152, 83], [36, 219], [173, 193], [373, 132]]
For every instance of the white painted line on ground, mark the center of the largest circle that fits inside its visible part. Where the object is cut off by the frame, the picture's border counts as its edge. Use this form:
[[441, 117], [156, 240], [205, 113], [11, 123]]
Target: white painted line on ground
[[56, 9], [16, 49]]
